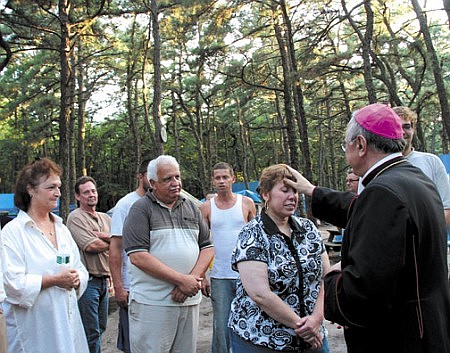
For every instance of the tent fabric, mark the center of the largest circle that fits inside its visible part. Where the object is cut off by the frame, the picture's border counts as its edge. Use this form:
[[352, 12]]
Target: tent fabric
[[240, 189], [253, 195], [7, 204], [252, 185], [445, 158]]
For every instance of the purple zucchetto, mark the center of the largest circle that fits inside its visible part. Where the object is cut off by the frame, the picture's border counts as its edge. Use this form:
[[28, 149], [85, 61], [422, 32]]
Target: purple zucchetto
[[380, 120]]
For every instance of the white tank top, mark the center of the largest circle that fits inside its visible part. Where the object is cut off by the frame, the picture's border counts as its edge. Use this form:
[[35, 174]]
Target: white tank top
[[225, 227]]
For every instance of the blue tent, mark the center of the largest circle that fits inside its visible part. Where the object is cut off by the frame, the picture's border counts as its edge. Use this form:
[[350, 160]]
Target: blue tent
[[240, 188], [445, 158], [7, 205], [253, 195], [252, 185]]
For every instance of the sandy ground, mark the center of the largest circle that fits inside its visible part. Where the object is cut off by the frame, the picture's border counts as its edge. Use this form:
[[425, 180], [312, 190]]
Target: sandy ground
[[335, 337]]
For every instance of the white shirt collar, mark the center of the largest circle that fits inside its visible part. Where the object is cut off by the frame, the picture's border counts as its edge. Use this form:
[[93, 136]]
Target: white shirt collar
[[380, 162]]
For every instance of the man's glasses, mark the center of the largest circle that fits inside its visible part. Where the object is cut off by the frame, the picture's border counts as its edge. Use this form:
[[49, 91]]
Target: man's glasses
[[407, 126]]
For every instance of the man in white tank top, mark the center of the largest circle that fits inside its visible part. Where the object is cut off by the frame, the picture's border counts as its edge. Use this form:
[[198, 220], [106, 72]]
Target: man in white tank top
[[226, 214]]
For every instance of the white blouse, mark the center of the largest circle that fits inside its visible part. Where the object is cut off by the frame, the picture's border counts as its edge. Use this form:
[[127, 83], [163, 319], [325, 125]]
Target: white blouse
[[41, 320]]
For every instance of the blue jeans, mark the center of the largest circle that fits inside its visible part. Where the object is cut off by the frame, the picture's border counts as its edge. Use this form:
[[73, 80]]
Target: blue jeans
[[93, 306], [242, 346], [223, 292]]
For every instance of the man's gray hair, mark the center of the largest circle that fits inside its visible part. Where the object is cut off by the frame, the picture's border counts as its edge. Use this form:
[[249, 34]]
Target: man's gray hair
[[379, 143], [164, 159]]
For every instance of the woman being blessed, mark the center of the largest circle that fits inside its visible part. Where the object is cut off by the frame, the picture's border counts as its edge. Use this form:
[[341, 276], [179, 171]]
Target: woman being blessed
[[281, 260], [44, 274]]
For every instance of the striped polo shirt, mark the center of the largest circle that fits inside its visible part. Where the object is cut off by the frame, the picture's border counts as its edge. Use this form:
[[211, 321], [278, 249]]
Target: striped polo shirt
[[174, 236]]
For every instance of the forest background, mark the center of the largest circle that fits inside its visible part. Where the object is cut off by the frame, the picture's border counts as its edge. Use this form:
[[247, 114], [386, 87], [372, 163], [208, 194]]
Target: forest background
[[99, 85]]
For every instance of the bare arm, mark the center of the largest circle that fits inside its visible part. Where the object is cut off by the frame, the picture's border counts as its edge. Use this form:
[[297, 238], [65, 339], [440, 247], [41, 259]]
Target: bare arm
[[248, 208], [447, 217], [97, 246], [205, 209], [115, 266], [199, 271], [309, 326], [254, 278], [203, 261], [102, 236], [326, 266], [188, 284]]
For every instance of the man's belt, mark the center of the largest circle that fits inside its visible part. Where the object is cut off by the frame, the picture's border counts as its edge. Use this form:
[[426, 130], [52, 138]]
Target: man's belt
[[99, 276]]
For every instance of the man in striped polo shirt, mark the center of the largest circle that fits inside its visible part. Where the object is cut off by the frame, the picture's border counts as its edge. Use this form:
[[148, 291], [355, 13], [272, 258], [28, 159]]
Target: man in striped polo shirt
[[169, 246]]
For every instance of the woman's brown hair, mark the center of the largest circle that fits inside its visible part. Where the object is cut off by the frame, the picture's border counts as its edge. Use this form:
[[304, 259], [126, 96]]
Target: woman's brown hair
[[29, 177], [271, 176]]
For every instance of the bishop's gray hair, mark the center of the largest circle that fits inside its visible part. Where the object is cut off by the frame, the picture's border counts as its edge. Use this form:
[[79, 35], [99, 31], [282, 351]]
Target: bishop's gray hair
[[379, 143]]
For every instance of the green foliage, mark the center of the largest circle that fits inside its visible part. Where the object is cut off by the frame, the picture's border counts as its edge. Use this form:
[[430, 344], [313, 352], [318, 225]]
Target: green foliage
[[222, 84]]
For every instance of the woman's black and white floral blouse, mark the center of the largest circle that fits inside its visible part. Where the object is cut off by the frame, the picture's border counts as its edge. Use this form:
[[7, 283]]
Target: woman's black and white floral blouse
[[261, 240]]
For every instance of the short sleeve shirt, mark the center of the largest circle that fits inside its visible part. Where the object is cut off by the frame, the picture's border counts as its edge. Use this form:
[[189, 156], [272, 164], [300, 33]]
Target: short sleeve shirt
[[175, 236], [432, 166], [261, 240], [82, 226], [120, 213]]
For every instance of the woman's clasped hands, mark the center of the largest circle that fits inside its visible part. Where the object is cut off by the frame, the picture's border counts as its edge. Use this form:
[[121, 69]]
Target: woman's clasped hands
[[68, 279], [308, 328]]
